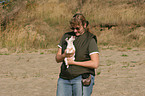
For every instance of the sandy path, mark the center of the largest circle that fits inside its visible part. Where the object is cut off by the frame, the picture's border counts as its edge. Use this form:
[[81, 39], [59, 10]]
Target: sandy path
[[35, 74]]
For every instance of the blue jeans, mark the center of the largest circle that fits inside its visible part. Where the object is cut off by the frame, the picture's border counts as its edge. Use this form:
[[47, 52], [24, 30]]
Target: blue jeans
[[74, 87]]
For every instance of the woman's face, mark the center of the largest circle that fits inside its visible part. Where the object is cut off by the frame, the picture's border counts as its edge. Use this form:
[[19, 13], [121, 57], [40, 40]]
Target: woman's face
[[78, 30]]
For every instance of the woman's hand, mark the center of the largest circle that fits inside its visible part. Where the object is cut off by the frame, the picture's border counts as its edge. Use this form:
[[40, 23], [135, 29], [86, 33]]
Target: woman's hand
[[70, 61]]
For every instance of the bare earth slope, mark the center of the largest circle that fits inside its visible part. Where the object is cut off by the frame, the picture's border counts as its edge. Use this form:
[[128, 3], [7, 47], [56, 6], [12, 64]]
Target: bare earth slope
[[121, 73]]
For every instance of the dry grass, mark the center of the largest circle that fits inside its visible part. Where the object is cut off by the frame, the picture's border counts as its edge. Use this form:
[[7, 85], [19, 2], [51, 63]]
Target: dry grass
[[36, 24]]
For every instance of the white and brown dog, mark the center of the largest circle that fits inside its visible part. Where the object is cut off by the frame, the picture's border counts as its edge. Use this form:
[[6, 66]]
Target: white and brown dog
[[70, 48]]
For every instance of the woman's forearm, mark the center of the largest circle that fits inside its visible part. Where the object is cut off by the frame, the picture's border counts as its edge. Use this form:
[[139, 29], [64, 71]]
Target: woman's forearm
[[89, 64], [59, 58], [93, 63]]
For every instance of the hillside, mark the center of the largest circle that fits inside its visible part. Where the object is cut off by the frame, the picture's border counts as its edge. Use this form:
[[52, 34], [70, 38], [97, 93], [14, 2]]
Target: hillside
[[35, 24]]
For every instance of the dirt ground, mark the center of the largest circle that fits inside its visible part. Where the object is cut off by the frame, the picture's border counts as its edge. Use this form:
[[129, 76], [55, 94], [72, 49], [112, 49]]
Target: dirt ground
[[121, 73]]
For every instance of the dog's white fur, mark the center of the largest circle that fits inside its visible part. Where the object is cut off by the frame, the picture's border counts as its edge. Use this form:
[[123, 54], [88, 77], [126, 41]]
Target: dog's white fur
[[70, 48]]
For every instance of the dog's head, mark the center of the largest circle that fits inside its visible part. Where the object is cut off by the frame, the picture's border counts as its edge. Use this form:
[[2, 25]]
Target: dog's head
[[71, 39]]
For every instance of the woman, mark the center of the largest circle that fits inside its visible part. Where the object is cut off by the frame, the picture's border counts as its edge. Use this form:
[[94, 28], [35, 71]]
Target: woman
[[78, 78]]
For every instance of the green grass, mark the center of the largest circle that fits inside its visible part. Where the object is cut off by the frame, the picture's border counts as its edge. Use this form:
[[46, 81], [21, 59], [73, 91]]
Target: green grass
[[129, 48], [124, 55], [4, 54], [42, 53], [98, 73]]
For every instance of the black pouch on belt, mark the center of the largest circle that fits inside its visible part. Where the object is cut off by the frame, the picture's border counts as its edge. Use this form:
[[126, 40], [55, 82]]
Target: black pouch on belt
[[86, 79]]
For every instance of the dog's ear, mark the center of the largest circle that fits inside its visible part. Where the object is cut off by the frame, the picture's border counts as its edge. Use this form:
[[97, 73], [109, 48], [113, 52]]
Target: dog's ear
[[66, 39]]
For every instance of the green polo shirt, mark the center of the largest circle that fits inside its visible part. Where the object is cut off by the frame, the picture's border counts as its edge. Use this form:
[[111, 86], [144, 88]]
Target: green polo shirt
[[85, 45]]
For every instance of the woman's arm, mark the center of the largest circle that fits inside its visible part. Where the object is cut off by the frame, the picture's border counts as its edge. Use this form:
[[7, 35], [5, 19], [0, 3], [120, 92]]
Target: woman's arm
[[59, 56], [93, 63]]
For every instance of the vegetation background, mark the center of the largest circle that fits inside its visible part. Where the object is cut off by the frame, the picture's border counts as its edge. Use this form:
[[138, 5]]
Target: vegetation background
[[39, 24]]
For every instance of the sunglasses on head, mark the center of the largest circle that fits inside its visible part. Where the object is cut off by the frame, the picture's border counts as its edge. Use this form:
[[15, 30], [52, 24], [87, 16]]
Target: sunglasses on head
[[77, 28]]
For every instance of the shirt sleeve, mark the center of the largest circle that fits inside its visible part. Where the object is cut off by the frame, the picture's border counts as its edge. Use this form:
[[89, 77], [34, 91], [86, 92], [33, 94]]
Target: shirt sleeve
[[93, 48]]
